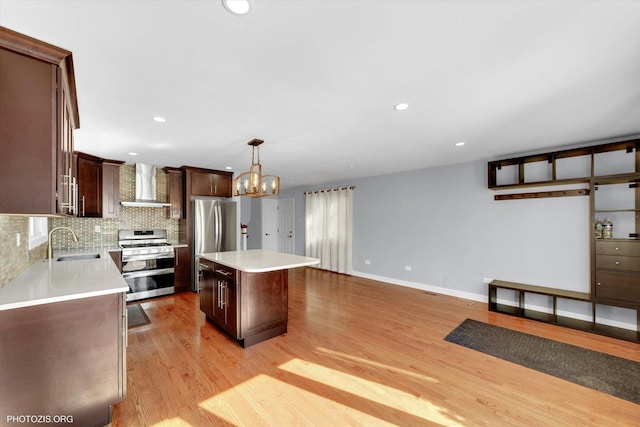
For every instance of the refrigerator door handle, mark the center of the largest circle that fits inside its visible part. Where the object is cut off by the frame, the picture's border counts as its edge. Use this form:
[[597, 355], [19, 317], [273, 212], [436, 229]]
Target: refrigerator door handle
[[218, 215]]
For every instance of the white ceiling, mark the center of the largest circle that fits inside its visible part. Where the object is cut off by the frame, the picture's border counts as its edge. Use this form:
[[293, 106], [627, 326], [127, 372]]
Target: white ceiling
[[317, 80]]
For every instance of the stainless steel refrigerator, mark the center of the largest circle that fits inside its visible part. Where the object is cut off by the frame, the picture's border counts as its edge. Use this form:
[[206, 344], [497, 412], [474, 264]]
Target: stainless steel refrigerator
[[215, 229]]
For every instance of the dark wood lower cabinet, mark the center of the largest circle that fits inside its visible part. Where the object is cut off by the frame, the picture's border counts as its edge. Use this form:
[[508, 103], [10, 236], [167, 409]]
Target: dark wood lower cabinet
[[264, 305], [251, 307], [617, 272], [64, 359], [182, 269]]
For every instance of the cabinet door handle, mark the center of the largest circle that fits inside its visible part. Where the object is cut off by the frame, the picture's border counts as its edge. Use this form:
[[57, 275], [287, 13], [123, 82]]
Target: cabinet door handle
[[599, 284], [617, 262], [223, 294], [83, 212]]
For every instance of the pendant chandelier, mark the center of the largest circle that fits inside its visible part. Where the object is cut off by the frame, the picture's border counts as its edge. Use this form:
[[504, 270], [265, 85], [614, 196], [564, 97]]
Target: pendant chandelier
[[253, 183]]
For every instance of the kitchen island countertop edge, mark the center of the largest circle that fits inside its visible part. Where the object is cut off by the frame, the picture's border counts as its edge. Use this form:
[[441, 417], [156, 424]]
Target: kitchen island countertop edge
[[258, 260]]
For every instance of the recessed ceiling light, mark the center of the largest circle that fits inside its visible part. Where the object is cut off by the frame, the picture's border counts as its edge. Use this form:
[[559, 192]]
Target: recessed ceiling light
[[401, 107], [459, 144], [159, 119], [237, 7], [131, 153], [228, 168]]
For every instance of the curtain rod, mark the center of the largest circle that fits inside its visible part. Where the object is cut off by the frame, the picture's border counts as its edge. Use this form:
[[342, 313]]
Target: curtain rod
[[331, 189]]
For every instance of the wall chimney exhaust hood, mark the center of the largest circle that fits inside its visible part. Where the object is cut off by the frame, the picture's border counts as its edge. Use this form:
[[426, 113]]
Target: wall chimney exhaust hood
[[145, 188]]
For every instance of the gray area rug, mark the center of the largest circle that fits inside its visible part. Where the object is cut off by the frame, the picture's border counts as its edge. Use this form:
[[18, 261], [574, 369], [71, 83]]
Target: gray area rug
[[609, 374], [136, 316]]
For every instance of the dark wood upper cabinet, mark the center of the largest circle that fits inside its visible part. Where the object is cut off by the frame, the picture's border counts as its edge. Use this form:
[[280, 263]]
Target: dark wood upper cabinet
[[38, 115], [110, 188], [98, 186], [89, 170], [206, 182], [175, 192]]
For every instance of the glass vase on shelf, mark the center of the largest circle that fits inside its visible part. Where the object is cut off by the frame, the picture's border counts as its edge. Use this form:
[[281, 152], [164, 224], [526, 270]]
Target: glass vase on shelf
[[598, 229], [607, 229]]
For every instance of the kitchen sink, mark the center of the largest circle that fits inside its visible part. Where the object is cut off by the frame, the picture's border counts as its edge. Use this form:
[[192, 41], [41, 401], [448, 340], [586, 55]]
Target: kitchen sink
[[77, 257]]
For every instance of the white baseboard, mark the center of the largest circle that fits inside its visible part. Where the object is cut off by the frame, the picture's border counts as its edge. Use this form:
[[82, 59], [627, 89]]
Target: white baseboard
[[485, 299]]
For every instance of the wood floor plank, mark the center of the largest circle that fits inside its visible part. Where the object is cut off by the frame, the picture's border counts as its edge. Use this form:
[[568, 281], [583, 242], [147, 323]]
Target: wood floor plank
[[357, 352]]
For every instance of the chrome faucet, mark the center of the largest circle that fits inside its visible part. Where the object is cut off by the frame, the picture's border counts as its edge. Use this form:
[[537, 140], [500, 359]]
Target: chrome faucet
[[50, 246]]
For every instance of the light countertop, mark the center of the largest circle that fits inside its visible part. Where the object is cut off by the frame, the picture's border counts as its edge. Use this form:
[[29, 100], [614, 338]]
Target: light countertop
[[259, 261], [50, 281]]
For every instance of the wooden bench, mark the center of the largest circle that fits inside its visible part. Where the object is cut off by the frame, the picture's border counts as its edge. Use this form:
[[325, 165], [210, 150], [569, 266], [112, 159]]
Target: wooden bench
[[521, 309]]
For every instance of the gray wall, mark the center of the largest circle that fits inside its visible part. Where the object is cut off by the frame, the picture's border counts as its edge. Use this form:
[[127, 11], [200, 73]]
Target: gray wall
[[444, 223]]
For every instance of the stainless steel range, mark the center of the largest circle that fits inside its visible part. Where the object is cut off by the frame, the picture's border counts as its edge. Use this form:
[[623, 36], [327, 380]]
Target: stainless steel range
[[147, 263]]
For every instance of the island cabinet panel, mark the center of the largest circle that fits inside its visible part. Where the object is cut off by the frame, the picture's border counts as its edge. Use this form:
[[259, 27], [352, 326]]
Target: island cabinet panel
[[207, 284], [65, 358], [251, 307], [264, 303]]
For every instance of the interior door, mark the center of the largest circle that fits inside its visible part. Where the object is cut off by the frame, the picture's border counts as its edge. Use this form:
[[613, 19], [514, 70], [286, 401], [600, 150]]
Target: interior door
[[270, 224], [286, 226]]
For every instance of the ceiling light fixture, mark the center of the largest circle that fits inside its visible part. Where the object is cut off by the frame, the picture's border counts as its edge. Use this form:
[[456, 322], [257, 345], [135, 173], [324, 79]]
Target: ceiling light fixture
[[253, 183], [237, 7], [159, 119], [401, 107], [459, 144], [131, 153]]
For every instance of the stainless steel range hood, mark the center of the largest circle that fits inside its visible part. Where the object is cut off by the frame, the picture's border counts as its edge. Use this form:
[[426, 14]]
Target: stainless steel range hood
[[145, 188]]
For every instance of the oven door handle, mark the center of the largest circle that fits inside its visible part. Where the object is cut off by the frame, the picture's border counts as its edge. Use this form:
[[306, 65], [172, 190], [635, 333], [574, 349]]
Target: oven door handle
[[145, 273], [126, 258]]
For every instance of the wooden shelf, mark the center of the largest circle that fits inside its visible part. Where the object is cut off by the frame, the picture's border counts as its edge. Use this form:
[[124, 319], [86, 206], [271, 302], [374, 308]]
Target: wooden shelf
[[611, 284], [553, 318], [551, 158]]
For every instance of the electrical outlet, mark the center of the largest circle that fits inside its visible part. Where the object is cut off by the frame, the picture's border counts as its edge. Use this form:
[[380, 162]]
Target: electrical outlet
[[487, 280], [367, 261], [407, 268], [97, 228], [17, 239]]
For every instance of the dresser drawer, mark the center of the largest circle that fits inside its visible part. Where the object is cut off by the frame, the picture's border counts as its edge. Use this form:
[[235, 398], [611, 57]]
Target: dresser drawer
[[618, 247], [617, 285], [616, 262]]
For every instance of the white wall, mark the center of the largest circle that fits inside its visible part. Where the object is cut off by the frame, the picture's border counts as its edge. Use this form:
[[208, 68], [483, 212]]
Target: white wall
[[445, 224]]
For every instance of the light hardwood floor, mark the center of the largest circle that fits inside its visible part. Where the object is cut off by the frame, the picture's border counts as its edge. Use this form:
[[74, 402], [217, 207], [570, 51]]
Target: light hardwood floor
[[358, 352]]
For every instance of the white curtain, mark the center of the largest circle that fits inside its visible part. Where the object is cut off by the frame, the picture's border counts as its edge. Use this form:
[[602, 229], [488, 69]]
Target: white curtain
[[329, 228]]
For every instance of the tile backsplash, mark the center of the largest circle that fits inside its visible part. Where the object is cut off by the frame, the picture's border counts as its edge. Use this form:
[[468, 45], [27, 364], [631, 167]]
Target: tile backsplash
[[92, 232], [15, 259], [97, 232]]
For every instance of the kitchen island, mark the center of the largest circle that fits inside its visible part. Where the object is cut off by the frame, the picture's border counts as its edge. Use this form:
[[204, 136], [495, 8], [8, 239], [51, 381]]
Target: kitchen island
[[246, 293]]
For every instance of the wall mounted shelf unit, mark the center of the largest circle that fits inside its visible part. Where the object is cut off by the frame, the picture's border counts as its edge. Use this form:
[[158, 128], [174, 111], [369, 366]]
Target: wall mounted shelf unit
[[553, 168], [610, 175]]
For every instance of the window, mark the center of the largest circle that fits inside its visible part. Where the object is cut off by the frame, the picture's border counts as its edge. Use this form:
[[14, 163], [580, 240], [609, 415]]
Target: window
[[38, 229]]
